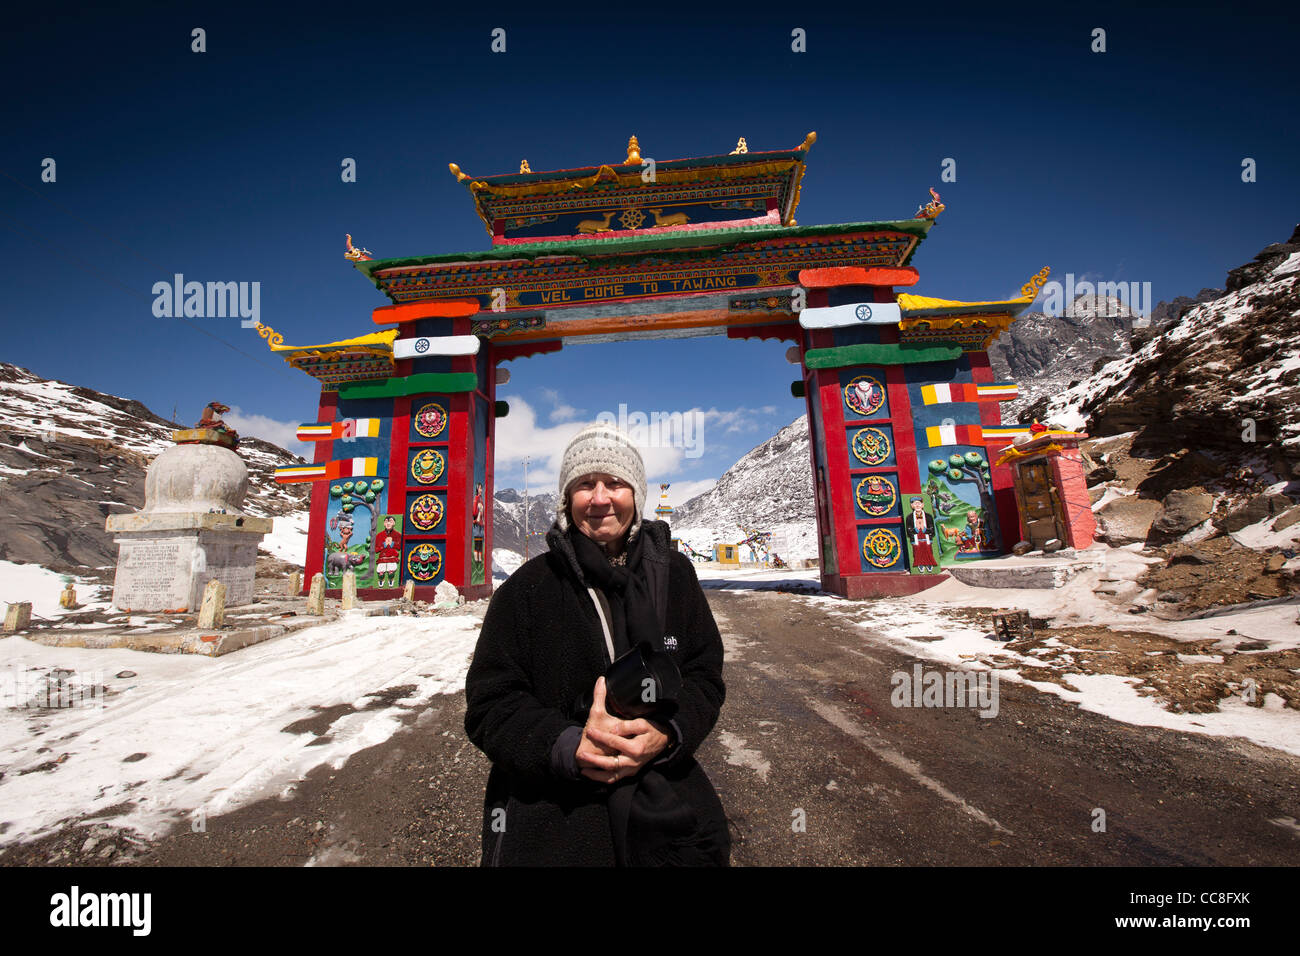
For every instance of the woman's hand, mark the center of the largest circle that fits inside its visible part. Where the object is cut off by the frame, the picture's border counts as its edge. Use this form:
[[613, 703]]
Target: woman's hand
[[612, 749]]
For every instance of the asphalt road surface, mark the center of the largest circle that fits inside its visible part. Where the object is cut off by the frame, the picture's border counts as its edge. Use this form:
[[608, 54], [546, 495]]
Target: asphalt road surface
[[814, 767]]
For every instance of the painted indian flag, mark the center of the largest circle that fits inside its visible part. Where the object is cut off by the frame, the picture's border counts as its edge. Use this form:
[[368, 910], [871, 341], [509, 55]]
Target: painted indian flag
[[328, 470]]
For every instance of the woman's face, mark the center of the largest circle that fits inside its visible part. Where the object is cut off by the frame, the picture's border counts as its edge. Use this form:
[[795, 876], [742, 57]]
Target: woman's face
[[601, 506]]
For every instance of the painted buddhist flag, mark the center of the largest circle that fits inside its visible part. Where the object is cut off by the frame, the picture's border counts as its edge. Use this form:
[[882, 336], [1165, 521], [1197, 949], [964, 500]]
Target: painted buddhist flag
[[345, 428], [941, 394], [998, 391], [939, 435], [1004, 434], [328, 470]]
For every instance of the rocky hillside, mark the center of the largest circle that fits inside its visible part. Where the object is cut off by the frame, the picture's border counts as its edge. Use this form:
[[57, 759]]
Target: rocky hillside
[[71, 456], [1224, 380], [1047, 354], [508, 520], [1196, 440]]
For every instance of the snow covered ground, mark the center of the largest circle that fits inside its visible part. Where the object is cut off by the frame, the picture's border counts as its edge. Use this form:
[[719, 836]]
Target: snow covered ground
[[288, 537], [182, 734], [41, 586]]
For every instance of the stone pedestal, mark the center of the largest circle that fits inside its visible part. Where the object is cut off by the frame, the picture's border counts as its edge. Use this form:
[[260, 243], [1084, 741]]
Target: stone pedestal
[[168, 552]]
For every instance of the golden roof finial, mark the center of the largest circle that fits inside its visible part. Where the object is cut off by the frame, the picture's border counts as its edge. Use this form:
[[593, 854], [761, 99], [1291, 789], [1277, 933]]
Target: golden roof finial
[[524, 167], [455, 171], [741, 147], [808, 141], [633, 152], [1035, 285]]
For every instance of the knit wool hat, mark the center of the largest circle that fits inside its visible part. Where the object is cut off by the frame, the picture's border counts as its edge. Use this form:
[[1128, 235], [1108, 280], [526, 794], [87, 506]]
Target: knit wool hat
[[601, 447]]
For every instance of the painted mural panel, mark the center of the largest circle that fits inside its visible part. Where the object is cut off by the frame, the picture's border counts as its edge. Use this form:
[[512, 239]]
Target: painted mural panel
[[353, 513], [922, 535], [356, 506], [388, 552], [960, 493], [479, 502]]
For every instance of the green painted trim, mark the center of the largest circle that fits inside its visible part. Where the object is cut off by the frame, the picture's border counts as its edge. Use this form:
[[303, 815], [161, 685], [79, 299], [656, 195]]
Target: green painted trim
[[846, 355], [412, 385], [719, 237]]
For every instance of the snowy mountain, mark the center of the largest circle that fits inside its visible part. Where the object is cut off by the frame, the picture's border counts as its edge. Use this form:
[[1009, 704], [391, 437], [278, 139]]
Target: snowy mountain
[[71, 456]]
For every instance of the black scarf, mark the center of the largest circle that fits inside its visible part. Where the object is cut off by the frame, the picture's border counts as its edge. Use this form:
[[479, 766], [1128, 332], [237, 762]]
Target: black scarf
[[624, 587], [650, 824]]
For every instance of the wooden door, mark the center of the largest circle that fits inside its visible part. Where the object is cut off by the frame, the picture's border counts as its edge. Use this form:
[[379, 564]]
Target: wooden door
[[1041, 506]]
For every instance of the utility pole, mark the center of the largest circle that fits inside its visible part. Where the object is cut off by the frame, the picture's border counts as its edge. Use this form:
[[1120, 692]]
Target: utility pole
[[525, 508]]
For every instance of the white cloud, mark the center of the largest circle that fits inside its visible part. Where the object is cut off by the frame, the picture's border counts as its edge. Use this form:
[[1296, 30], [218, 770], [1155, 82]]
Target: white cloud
[[563, 413], [276, 432]]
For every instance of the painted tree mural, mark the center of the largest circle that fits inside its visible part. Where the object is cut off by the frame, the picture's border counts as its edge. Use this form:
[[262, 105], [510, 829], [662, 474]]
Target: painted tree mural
[[352, 495]]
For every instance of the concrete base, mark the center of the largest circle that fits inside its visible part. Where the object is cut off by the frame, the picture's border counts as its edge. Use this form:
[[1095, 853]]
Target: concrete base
[[1039, 573], [427, 594], [199, 641], [885, 584], [166, 559]]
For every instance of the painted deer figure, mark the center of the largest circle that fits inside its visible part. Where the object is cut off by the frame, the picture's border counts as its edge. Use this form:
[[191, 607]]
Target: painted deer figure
[[596, 225], [676, 219]]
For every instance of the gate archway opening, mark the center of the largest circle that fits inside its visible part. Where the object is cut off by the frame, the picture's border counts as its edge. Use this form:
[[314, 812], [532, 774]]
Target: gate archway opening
[[903, 411]]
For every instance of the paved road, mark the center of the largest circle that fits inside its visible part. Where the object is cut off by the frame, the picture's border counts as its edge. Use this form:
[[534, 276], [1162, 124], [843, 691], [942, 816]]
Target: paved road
[[807, 736]]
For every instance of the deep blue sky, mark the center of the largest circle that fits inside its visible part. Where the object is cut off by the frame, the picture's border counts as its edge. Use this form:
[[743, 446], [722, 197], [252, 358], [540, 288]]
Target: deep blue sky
[[225, 165]]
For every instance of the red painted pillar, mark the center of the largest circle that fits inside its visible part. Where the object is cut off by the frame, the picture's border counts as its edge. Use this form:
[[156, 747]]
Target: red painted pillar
[[314, 563]]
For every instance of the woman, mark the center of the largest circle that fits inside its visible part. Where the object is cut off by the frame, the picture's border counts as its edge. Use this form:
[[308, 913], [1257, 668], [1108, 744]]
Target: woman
[[572, 784]]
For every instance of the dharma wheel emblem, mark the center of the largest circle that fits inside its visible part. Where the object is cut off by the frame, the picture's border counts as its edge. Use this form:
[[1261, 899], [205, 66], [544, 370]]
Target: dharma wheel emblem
[[881, 548], [632, 218], [422, 345], [863, 313]]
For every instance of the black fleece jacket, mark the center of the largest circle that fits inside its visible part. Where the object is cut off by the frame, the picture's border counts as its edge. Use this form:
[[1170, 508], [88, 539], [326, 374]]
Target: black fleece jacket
[[540, 650]]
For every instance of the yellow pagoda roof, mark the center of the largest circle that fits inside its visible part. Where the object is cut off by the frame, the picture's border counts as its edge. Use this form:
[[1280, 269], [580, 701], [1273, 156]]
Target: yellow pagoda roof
[[917, 303], [364, 358], [380, 339]]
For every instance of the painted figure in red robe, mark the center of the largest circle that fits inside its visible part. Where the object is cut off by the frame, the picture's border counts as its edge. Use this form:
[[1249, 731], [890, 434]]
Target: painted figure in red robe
[[388, 553], [919, 528]]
